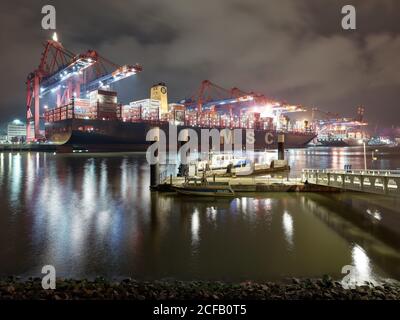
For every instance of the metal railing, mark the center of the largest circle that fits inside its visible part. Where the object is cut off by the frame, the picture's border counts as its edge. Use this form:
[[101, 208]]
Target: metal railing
[[166, 171], [385, 182], [393, 173]]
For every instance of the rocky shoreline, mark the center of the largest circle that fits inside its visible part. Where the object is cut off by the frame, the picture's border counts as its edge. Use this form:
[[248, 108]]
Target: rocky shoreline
[[101, 289]]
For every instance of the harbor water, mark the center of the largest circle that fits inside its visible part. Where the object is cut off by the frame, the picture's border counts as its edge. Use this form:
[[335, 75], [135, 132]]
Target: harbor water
[[93, 215]]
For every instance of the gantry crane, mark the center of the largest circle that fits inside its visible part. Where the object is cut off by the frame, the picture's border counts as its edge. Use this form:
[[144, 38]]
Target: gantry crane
[[68, 75], [211, 96]]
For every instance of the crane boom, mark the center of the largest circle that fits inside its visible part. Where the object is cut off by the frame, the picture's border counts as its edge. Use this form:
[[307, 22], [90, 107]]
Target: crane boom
[[117, 75], [67, 75]]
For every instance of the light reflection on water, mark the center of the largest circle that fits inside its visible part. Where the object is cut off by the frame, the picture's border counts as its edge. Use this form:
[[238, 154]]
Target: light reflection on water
[[93, 215], [362, 264], [288, 228], [195, 227]]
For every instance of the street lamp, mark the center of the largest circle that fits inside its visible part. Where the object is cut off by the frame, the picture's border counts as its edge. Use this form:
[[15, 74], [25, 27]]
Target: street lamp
[[374, 157], [365, 153]]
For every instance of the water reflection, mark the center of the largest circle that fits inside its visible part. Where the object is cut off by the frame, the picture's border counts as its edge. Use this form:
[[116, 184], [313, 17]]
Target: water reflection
[[288, 228], [1, 167], [212, 214], [94, 215], [15, 177], [361, 262], [375, 214], [350, 223], [336, 158], [195, 227], [30, 176]]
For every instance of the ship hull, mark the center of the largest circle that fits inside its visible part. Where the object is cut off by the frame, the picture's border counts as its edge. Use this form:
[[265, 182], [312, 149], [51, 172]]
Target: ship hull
[[99, 136], [338, 143]]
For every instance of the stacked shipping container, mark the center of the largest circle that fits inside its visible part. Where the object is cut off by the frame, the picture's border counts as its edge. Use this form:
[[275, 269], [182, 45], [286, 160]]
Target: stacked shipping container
[[106, 104], [101, 105], [147, 109], [84, 110]]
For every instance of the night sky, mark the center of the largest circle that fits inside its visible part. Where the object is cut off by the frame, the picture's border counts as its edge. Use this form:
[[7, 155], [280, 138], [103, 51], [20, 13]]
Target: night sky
[[293, 50]]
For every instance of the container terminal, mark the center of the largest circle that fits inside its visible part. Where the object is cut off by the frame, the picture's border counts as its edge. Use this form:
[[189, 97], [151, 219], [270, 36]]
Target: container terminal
[[71, 105]]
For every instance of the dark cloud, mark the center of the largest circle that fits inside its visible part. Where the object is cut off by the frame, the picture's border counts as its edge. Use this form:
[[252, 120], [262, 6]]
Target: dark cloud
[[293, 50]]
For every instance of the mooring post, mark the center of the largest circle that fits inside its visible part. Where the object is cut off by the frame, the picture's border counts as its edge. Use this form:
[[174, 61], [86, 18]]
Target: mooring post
[[385, 183], [155, 166], [281, 147], [183, 137], [155, 173]]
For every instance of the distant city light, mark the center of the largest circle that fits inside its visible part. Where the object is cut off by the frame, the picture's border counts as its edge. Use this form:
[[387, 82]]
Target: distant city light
[[55, 37]]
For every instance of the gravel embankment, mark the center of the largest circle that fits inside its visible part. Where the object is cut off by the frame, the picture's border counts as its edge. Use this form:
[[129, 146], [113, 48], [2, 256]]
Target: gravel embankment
[[100, 289]]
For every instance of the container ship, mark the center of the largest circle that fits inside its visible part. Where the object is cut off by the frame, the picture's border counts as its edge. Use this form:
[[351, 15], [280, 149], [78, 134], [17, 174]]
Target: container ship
[[343, 132], [100, 123], [83, 112], [339, 141], [101, 136]]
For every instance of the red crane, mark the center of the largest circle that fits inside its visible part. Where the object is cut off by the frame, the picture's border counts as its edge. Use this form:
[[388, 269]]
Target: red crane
[[66, 74], [54, 57], [210, 93]]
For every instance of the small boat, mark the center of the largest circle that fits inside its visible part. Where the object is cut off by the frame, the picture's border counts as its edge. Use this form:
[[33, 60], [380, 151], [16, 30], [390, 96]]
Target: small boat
[[222, 162], [204, 189], [228, 165]]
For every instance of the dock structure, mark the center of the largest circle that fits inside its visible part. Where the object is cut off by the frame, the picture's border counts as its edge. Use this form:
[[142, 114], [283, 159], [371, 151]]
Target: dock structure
[[384, 182], [244, 184]]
